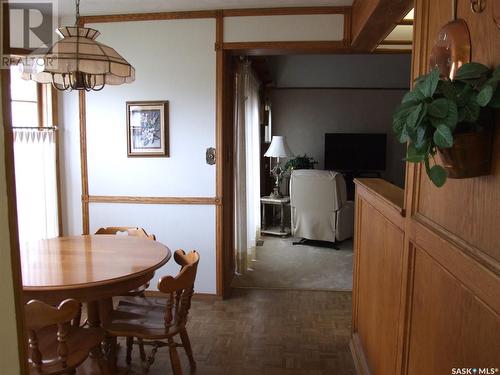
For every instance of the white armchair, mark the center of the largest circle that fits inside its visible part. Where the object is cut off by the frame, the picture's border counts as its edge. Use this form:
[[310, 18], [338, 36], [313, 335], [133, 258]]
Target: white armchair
[[320, 209]]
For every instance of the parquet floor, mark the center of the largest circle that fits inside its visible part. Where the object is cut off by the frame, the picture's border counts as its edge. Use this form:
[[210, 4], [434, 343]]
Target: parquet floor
[[266, 332]]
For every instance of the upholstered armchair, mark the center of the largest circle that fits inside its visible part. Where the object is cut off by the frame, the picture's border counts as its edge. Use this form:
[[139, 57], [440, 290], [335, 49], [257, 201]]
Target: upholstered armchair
[[319, 206]]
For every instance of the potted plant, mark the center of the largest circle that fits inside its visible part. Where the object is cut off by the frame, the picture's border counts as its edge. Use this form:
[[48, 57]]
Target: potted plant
[[452, 117], [299, 162]]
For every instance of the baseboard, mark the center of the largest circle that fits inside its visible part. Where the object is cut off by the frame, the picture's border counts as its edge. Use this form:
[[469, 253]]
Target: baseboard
[[358, 356], [196, 296]]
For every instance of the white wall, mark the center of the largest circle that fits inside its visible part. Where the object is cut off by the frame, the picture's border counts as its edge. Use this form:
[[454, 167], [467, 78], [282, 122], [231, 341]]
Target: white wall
[[317, 27], [9, 355], [174, 61]]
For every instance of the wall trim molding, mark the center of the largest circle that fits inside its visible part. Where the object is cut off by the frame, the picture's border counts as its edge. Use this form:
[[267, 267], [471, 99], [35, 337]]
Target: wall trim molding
[[158, 16], [219, 165], [83, 161], [285, 11], [216, 13], [127, 199], [278, 47]]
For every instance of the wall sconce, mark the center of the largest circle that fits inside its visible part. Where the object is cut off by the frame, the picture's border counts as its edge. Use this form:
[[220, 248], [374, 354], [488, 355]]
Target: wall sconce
[[496, 13], [478, 6]]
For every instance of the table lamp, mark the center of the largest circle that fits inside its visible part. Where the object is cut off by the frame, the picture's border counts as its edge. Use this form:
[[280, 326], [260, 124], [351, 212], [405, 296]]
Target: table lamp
[[278, 149]]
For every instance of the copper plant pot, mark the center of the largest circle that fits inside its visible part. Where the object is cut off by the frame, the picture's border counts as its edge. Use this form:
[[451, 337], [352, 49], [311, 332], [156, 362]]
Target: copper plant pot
[[470, 155]]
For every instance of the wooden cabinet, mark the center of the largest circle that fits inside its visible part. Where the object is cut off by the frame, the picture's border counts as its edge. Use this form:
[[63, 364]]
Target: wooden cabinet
[[421, 303], [378, 275], [449, 326], [426, 295]]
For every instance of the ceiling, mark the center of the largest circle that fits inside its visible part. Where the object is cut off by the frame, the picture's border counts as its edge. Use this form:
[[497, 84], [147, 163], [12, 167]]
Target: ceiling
[[93, 7]]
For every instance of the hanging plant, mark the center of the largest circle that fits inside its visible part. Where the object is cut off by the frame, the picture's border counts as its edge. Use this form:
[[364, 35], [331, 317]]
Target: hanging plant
[[438, 110]]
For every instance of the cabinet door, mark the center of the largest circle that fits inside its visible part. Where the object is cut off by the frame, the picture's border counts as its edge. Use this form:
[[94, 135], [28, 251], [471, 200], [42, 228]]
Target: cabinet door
[[378, 272], [449, 326]]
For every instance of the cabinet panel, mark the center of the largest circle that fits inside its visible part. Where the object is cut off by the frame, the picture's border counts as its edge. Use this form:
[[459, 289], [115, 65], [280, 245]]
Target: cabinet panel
[[468, 208], [449, 326], [379, 250]]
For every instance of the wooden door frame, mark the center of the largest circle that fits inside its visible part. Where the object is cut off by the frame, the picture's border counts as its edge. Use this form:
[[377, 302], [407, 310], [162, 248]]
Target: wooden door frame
[[225, 226], [15, 255]]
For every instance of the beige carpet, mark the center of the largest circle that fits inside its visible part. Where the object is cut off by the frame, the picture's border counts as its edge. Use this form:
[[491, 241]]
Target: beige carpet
[[279, 264]]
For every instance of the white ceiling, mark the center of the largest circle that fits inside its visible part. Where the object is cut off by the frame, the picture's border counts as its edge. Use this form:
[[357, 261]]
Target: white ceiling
[[93, 7]]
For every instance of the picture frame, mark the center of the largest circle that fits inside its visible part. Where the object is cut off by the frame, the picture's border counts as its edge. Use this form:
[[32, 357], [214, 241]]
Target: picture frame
[[147, 129]]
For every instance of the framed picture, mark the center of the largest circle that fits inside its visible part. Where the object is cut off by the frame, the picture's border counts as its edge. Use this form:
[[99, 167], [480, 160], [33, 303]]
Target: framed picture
[[147, 129]]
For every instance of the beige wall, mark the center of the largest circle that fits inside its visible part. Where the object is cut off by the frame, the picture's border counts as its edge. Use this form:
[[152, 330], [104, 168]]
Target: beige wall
[[9, 356]]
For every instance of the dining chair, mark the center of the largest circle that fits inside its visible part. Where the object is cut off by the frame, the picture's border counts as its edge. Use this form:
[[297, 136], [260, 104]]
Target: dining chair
[[134, 232], [131, 231], [55, 345], [157, 323], [140, 291]]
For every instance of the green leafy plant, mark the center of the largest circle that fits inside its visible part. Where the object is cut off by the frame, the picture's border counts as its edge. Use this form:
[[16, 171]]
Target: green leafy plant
[[437, 108], [299, 162]]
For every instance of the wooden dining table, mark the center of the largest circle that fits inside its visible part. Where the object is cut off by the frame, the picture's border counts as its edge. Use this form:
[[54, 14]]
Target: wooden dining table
[[89, 268]]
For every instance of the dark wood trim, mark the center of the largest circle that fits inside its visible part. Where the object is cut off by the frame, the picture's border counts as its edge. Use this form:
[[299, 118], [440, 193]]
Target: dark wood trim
[[404, 22], [12, 214], [279, 11], [396, 43], [55, 122], [219, 165], [41, 104], [373, 20], [283, 48], [285, 11], [151, 200], [347, 27], [83, 162], [149, 16], [387, 51]]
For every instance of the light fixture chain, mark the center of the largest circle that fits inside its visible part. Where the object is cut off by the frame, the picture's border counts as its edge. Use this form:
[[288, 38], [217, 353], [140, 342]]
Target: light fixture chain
[[77, 18]]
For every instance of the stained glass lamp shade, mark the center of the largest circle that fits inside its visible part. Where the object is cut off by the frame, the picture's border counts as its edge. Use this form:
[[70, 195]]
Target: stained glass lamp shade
[[79, 62]]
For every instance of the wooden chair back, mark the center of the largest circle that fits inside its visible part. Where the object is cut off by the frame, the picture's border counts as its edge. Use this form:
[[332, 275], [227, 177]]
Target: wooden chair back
[[40, 315], [179, 289], [131, 231]]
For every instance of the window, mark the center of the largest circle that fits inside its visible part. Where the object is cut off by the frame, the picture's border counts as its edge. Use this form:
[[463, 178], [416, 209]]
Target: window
[[35, 158]]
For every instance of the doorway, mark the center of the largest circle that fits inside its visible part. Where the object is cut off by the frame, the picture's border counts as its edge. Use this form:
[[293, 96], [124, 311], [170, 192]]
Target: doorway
[[302, 99]]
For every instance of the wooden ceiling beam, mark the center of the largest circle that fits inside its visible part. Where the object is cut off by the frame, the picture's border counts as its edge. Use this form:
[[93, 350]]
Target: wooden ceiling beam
[[373, 20]]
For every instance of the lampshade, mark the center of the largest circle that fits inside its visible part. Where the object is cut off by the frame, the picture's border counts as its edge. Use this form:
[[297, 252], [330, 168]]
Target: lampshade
[[278, 148], [79, 62]]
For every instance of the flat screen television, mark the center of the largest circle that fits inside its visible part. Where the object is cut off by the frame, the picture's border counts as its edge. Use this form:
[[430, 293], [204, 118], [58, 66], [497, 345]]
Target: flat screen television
[[355, 152]]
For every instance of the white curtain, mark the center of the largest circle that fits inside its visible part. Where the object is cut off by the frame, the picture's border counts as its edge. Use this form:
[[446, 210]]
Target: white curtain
[[36, 183], [247, 166]]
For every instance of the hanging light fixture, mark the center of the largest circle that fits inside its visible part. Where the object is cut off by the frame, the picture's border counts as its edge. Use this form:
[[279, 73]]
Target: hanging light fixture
[[79, 62]]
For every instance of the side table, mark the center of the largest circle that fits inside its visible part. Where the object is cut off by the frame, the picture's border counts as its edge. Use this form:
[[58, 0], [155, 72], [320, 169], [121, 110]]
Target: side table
[[281, 202]]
